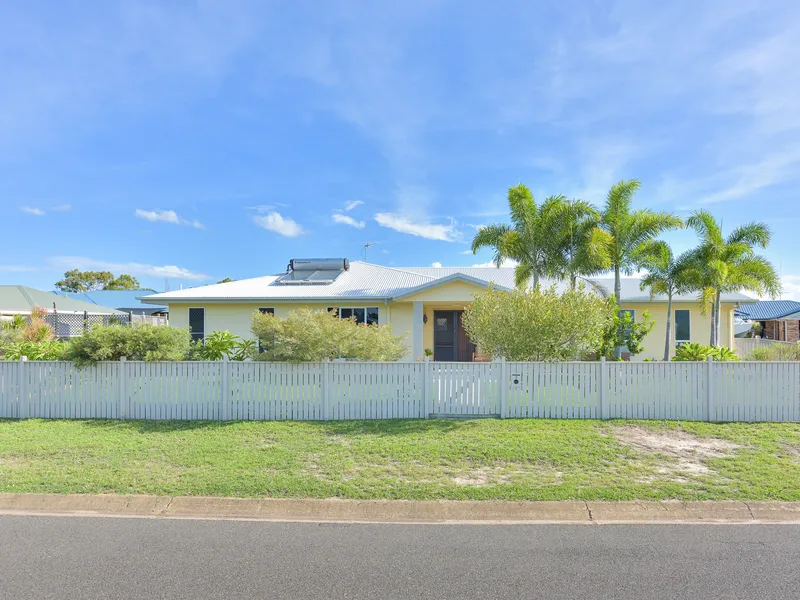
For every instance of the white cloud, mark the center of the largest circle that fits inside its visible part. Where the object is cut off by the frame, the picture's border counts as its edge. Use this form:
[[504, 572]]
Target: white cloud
[[466, 252], [136, 269], [791, 287], [15, 269], [347, 220], [429, 231], [167, 216], [31, 210], [274, 221], [436, 265], [351, 204], [503, 263]]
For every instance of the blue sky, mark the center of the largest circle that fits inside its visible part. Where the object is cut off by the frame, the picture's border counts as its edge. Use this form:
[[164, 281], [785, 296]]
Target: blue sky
[[191, 141]]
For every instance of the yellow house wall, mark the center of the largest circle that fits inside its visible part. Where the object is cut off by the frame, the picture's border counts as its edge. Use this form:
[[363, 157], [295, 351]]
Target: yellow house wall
[[454, 292], [699, 324]]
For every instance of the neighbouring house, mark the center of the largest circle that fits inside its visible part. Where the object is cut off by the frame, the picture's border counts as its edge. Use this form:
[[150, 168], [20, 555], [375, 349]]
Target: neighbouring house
[[779, 319], [424, 303], [125, 300], [67, 316]]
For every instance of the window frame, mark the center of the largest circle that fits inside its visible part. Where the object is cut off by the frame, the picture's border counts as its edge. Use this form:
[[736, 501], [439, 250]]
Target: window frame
[[366, 308], [189, 319], [675, 326]]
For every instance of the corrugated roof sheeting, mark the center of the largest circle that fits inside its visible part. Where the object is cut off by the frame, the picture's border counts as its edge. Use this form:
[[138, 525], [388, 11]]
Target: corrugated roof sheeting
[[767, 310]]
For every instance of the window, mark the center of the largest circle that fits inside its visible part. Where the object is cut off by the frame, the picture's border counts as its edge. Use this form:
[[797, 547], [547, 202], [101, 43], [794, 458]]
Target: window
[[197, 323], [682, 327], [368, 315], [264, 311]]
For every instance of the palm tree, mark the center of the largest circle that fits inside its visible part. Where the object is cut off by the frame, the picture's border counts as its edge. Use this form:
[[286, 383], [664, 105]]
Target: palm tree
[[533, 238], [667, 276], [730, 264], [576, 261], [621, 240]]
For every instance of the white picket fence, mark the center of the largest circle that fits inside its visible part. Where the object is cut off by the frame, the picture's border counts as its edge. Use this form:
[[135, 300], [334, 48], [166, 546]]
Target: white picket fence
[[745, 346], [729, 391]]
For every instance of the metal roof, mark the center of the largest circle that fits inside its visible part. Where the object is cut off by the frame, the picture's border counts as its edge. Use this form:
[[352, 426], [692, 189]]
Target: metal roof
[[370, 281], [125, 300], [769, 310], [19, 299]]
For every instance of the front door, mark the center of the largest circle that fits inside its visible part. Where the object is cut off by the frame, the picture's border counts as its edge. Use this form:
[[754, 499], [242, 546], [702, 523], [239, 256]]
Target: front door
[[450, 341]]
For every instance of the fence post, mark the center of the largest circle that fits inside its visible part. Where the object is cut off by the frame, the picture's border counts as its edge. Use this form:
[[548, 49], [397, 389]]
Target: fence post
[[22, 389], [326, 393], [122, 372], [710, 388], [225, 387], [430, 396], [425, 391], [603, 387], [503, 387]]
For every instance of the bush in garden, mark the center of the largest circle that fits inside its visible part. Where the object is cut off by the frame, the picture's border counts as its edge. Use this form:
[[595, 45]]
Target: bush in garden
[[139, 341], [308, 335], [222, 344], [540, 325], [46, 350], [691, 352], [777, 352]]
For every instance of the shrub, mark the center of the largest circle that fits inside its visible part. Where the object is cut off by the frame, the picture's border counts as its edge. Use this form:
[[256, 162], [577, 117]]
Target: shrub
[[691, 352], [789, 352], [46, 350], [308, 335], [222, 344], [622, 331], [761, 353], [139, 341], [539, 325]]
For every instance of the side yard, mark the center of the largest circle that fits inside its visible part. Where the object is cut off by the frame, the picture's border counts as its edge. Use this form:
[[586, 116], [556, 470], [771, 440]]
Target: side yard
[[406, 459]]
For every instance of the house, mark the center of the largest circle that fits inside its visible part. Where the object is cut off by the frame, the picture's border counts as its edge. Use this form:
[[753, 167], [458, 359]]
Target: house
[[124, 300], [424, 303], [779, 319], [67, 316]]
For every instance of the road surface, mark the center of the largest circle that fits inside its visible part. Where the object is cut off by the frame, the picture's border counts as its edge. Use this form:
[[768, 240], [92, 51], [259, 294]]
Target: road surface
[[84, 557]]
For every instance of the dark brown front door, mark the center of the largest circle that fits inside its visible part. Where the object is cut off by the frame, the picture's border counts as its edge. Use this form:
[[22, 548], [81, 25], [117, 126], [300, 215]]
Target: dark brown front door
[[450, 341]]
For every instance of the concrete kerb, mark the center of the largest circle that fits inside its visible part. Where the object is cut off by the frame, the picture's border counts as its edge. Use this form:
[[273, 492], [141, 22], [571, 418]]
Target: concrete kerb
[[399, 511]]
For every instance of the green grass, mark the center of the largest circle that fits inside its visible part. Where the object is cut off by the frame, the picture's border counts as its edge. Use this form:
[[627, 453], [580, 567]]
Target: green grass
[[486, 459]]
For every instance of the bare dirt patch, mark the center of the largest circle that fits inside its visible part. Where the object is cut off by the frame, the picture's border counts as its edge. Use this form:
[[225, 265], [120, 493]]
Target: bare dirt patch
[[682, 455], [507, 473]]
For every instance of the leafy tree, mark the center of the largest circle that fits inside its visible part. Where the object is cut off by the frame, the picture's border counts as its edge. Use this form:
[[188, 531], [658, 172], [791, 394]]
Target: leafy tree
[[139, 341], [729, 264], [538, 325], [123, 282], [226, 280], [536, 236], [621, 240], [308, 335], [622, 332], [87, 281], [667, 276]]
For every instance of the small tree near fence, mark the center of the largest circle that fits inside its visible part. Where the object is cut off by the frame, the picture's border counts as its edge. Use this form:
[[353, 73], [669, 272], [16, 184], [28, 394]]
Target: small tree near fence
[[138, 341], [540, 325], [308, 335]]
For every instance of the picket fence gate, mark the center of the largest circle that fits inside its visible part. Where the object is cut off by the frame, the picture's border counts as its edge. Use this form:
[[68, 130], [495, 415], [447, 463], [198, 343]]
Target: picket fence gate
[[224, 390]]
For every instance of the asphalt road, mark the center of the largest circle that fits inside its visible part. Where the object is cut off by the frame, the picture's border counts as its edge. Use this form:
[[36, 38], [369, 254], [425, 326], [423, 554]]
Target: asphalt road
[[80, 558]]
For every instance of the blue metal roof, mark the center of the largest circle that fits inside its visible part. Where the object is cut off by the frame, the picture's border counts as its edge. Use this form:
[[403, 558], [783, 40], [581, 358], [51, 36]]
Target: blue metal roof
[[768, 310], [119, 299]]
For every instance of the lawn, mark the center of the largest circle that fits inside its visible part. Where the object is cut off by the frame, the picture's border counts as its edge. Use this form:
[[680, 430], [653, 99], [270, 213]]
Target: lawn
[[434, 459]]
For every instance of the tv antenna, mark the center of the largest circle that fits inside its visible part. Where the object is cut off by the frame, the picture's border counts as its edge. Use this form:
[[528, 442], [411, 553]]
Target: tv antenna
[[364, 251]]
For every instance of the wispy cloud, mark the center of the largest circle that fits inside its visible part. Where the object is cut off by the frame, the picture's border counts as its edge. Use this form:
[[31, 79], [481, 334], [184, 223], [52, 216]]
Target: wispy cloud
[[466, 252], [265, 208], [351, 204], [347, 220], [16, 269], [167, 216], [429, 231], [791, 287], [274, 221], [503, 263], [133, 268], [31, 210]]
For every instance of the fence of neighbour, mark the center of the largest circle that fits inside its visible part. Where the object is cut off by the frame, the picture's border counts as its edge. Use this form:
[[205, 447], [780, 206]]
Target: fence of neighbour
[[710, 391], [69, 325], [745, 346]]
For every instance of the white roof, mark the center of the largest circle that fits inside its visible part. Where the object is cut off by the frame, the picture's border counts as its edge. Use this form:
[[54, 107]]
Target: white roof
[[375, 282]]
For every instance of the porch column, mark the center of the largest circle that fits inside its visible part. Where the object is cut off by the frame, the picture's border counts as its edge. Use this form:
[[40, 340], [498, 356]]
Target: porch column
[[417, 347]]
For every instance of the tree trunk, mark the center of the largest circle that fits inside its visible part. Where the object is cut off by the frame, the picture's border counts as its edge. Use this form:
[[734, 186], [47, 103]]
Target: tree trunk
[[717, 301], [713, 340], [618, 297], [535, 279], [669, 326]]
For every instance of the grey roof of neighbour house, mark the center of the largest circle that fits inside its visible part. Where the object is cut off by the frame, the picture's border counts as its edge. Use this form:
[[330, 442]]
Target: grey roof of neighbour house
[[19, 299], [376, 282], [769, 310], [631, 292]]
